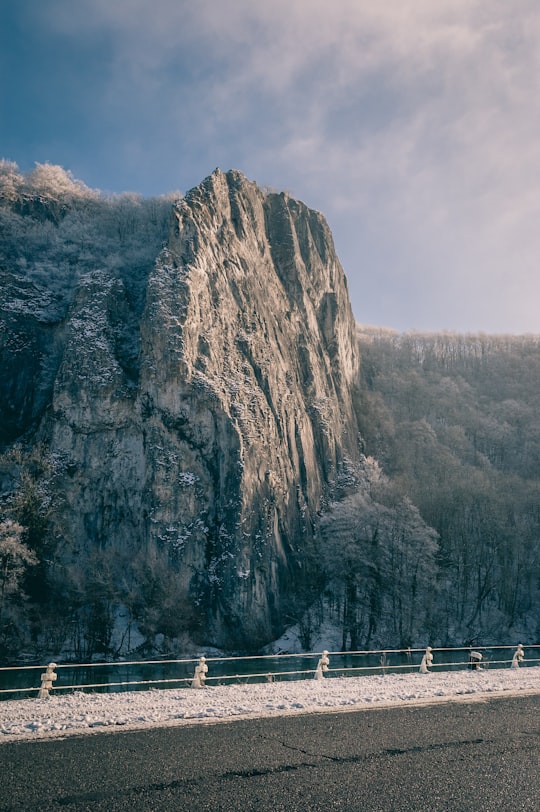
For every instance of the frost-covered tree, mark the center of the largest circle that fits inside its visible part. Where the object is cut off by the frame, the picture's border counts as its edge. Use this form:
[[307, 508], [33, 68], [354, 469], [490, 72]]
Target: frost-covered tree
[[380, 557], [11, 181], [54, 228], [50, 182], [15, 559]]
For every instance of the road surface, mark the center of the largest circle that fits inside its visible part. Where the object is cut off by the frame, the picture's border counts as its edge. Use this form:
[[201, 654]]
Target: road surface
[[481, 756]]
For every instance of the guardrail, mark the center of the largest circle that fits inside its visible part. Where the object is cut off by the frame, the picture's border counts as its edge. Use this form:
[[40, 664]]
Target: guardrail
[[223, 670]]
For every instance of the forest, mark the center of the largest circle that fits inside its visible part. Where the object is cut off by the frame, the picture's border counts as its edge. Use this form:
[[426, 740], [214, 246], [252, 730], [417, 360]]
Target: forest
[[453, 422]]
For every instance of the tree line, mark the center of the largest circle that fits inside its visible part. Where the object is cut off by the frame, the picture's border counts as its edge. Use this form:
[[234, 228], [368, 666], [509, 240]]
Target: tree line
[[54, 228]]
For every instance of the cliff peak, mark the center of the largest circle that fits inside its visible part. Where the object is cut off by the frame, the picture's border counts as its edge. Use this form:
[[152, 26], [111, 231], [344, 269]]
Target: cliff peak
[[203, 403]]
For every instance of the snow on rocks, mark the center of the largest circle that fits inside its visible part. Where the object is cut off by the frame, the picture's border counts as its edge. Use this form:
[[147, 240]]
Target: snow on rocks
[[77, 713]]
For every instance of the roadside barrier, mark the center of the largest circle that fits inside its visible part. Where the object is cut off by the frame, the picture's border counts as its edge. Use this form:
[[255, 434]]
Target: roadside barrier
[[199, 671]]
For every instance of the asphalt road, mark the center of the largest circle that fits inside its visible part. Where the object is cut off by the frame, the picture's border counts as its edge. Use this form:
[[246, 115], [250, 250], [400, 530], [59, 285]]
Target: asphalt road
[[458, 756]]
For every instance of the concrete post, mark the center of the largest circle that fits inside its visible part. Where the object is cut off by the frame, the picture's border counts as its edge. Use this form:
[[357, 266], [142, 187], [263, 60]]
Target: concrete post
[[427, 661], [47, 680], [519, 655], [322, 665], [200, 674]]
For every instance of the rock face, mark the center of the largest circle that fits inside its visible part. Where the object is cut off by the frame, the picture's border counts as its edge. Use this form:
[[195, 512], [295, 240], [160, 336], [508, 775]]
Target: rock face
[[204, 407]]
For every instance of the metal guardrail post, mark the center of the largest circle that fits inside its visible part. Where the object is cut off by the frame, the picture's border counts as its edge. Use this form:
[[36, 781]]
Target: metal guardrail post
[[47, 679]]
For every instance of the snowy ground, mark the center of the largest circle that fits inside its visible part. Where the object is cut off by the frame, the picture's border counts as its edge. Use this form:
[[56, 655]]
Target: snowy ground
[[62, 715]]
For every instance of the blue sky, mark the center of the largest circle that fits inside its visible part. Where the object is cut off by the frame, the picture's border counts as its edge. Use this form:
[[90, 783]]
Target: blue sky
[[413, 125]]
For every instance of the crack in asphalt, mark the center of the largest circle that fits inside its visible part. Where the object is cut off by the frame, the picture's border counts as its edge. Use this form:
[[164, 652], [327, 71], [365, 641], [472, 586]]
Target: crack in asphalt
[[388, 751], [314, 760], [68, 800]]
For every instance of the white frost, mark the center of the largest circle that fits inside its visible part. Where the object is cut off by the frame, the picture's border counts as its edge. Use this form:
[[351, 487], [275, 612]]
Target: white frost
[[66, 714]]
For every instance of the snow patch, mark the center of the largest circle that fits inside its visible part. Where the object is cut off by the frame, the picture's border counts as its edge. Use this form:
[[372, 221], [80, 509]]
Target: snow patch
[[68, 714]]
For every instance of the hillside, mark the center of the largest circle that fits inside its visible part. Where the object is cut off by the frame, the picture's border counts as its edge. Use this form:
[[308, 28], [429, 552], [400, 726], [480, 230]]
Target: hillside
[[454, 421]]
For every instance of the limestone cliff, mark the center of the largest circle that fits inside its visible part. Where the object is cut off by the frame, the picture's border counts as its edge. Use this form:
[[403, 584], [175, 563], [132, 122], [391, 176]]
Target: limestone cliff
[[202, 406]]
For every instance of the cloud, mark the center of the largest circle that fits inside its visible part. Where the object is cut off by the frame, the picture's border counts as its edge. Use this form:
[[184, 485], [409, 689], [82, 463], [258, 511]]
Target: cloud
[[418, 118]]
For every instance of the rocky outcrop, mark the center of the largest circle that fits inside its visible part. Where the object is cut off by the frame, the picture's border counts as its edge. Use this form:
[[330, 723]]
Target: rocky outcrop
[[203, 406]]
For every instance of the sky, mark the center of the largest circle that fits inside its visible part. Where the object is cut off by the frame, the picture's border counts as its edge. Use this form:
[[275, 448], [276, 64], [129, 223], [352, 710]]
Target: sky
[[412, 125]]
